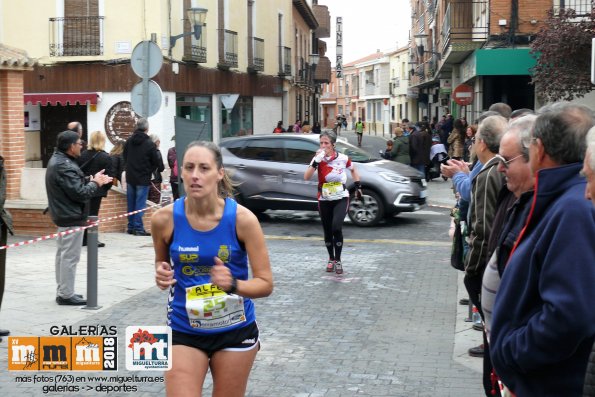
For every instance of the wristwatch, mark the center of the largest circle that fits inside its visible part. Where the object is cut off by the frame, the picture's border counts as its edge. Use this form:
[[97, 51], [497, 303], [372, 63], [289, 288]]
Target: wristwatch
[[234, 285]]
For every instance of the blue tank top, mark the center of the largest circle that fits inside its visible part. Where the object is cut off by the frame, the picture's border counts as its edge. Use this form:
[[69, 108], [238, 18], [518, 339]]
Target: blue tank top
[[196, 306]]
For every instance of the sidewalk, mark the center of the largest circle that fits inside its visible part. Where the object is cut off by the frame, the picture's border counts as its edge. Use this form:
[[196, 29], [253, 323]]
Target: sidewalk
[[391, 326]]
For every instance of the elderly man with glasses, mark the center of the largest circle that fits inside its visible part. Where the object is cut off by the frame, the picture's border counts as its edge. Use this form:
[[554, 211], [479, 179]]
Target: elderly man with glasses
[[543, 322], [512, 208], [68, 191]]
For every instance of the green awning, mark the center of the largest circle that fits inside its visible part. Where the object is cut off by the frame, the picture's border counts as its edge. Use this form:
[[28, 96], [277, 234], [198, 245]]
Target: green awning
[[503, 62]]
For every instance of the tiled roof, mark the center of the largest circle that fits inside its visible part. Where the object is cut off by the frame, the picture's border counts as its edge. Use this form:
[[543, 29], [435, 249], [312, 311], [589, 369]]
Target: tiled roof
[[13, 58], [367, 58]]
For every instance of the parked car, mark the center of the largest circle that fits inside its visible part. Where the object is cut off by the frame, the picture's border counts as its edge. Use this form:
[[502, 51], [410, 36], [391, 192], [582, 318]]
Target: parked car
[[269, 173]]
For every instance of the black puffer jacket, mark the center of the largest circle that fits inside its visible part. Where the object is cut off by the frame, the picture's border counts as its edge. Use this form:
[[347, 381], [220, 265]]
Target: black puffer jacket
[[140, 159], [67, 190], [92, 161]]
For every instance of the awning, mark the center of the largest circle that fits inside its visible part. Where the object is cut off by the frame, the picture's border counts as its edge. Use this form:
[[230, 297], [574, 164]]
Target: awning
[[69, 98]]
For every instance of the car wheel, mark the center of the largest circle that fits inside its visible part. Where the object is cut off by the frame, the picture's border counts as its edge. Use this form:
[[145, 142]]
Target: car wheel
[[240, 200], [368, 211]]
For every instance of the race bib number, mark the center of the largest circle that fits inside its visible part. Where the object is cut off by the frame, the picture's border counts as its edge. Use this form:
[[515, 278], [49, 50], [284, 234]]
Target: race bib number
[[332, 190], [209, 307]]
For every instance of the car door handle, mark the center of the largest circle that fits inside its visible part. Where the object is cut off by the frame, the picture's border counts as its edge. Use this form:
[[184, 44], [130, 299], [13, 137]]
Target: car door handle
[[291, 172], [240, 166]]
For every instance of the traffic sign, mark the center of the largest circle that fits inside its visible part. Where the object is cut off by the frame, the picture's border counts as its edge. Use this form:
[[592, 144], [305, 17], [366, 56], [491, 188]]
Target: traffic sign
[[146, 98], [463, 95], [146, 59]]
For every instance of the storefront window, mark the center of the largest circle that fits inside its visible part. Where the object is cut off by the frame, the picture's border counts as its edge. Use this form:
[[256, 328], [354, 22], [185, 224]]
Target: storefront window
[[239, 120], [197, 108]]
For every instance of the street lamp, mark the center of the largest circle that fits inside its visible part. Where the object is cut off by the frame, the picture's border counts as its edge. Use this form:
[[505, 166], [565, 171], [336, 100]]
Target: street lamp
[[419, 41], [196, 16], [314, 58]]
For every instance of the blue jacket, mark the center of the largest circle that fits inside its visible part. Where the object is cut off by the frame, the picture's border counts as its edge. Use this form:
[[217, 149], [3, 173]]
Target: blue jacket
[[544, 317]]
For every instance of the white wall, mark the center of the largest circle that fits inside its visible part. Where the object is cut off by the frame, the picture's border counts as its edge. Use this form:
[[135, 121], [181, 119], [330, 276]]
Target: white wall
[[161, 123], [267, 112]]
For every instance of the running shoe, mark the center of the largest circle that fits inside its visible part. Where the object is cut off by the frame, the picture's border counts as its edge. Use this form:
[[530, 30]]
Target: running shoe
[[338, 267], [330, 266]]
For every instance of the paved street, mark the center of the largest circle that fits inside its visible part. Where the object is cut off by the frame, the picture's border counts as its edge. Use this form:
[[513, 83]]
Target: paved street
[[390, 326]]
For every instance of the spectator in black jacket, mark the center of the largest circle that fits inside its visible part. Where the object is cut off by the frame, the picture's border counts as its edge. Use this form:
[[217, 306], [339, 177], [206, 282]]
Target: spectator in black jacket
[[140, 159], [92, 161], [157, 179], [172, 161], [68, 192]]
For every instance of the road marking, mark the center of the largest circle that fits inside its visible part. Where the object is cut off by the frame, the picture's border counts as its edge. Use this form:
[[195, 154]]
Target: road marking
[[361, 240]]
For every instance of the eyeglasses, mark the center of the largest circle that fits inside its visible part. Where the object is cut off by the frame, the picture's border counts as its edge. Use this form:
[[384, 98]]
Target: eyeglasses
[[79, 143], [506, 163]]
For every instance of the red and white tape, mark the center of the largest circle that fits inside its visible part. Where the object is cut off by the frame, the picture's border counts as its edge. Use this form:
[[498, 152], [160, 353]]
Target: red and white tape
[[78, 229]]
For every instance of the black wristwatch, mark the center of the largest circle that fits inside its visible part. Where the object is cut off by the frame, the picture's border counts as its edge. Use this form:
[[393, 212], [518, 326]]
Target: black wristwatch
[[234, 285]]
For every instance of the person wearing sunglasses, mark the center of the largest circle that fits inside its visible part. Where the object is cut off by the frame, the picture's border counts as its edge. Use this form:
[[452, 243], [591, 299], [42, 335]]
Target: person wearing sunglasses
[[512, 206]]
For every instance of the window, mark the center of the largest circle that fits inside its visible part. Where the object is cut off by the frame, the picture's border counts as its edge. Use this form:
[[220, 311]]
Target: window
[[239, 121], [196, 108], [300, 151], [263, 150]]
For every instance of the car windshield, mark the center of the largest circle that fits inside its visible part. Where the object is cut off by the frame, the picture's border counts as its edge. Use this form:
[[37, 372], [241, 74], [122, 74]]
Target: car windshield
[[354, 153]]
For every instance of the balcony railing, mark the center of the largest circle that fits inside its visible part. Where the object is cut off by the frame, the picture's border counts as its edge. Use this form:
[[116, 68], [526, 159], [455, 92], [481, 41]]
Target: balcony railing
[[284, 61], [257, 61], [197, 51], [228, 49], [582, 7], [464, 22], [76, 36]]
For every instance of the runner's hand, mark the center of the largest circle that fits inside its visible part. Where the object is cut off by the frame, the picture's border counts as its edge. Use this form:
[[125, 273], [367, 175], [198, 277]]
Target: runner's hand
[[164, 275], [221, 275]]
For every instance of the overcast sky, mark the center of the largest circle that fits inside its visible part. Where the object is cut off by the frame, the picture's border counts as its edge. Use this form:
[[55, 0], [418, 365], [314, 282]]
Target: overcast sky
[[368, 25]]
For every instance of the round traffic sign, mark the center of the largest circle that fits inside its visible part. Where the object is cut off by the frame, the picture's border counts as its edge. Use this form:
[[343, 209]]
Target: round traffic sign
[[146, 59], [463, 95], [146, 98]]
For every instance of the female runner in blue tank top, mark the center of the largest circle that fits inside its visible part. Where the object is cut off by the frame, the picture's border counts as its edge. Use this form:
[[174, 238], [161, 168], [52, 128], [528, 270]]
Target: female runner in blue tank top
[[203, 245]]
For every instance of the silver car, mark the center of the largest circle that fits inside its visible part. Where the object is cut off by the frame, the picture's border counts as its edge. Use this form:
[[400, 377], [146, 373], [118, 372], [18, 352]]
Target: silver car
[[269, 172]]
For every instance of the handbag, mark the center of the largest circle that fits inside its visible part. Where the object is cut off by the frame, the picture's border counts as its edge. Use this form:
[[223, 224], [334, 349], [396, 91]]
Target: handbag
[[457, 252]]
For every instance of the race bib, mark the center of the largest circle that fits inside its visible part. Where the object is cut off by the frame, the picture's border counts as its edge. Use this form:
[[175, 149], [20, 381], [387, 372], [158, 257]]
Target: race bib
[[209, 307], [332, 190]]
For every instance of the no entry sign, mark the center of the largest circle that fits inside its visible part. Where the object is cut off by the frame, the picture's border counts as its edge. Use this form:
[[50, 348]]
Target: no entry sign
[[463, 94]]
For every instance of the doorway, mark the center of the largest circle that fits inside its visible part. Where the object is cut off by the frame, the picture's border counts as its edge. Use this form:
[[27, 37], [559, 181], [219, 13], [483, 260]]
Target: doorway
[[54, 120]]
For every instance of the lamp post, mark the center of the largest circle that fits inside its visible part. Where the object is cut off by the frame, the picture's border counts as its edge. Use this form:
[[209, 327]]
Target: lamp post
[[314, 58], [419, 41], [196, 16]]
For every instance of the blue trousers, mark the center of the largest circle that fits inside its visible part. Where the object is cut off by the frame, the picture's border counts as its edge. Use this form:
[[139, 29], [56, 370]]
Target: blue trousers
[[136, 199]]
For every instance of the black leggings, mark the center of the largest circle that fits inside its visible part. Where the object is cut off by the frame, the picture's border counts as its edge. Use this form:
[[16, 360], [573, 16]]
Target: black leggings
[[332, 214]]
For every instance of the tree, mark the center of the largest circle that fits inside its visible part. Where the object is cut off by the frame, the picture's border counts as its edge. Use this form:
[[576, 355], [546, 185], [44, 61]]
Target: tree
[[563, 52]]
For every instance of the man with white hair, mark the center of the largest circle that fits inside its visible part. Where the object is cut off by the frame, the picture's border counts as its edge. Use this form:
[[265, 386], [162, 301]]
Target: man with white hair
[[543, 324]]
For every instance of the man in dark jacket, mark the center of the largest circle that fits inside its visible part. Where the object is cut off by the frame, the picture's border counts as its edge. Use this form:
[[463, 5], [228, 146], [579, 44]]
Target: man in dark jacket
[[140, 158], [543, 323], [68, 192], [420, 144]]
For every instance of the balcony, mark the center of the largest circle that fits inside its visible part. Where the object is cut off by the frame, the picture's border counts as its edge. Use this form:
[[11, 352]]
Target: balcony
[[76, 36], [256, 61], [322, 74], [323, 17], [196, 50], [465, 24], [582, 7], [284, 61], [228, 49]]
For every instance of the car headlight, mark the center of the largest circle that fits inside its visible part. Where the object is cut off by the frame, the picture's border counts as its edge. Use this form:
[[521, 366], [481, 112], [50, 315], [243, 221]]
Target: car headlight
[[394, 177]]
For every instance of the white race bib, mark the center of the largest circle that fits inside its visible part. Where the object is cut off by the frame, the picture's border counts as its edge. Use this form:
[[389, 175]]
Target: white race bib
[[209, 307]]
